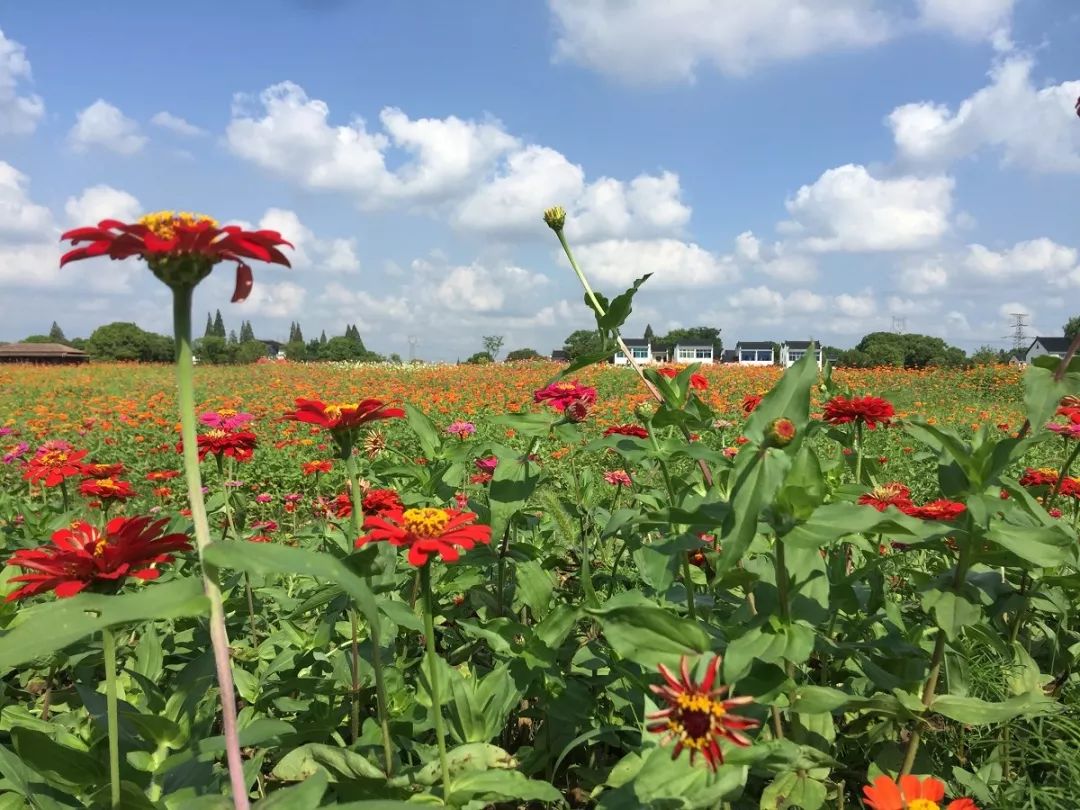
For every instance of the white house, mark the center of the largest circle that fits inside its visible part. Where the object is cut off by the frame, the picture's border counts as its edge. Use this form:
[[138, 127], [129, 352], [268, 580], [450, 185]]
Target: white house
[[754, 353], [792, 351], [1053, 346], [691, 352], [640, 349]]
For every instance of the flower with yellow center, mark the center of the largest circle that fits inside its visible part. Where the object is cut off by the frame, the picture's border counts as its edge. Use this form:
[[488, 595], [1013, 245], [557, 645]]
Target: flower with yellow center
[[426, 531], [425, 522], [165, 223], [911, 793]]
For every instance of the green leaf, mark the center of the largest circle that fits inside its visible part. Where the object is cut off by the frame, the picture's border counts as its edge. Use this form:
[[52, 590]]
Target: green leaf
[[270, 558], [618, 310], [61, 766], [951, 611], [787, 642], [426, 432], [261, 731], [467, 758], [1045, 547], [45, 629], [835, 521], [649, 635], [496, 786], [975, 712], [791, 790], [315, 759], [789, 398], [1042, 392], [757, 475], [514, 480], [306, 794], [534, 587]]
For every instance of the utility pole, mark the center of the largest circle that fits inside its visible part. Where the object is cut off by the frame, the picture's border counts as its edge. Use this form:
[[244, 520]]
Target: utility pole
[[413, 341], [899, 325], [1017, 323]]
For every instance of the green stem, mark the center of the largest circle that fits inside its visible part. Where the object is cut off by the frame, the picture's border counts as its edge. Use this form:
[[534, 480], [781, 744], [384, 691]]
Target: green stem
[[783, 592], [373, 627], [858, 451], [433, 677], [230, 527], [109, 650], [219, 637], [615, 570], [586, 565], [64, 493]]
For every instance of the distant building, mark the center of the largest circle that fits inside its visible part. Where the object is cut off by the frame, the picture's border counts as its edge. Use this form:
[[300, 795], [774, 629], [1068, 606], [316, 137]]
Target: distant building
[[1042, 346], [754, 353], [730, 356], [640, 350], [792, 351], [275, 349], [560, 356], [693, 352], [51, 353]]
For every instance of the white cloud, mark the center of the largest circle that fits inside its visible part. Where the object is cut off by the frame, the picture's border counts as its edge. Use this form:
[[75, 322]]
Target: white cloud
[[968, 19], [862, 305], [20, 218], [847, 209], [1043, 257], [102, 202], [102, 125], [924, 276], [174, 123], [674, 264], [648, 42], [19, 115], [1034, 128], [334, 255], [281, 299], [482, 178]]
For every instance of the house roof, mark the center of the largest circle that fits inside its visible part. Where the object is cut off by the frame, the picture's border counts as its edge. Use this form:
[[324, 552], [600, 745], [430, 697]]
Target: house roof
[[635, 341], [694, 344], [39, 350], [730, 355], [559, 354], [753, 344], [799, 344], [1053, 344]]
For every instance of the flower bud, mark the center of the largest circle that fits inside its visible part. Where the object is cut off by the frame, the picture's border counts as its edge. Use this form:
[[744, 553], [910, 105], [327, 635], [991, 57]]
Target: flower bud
[[555, 218], [780, 432], [576, 411], [645, 411]]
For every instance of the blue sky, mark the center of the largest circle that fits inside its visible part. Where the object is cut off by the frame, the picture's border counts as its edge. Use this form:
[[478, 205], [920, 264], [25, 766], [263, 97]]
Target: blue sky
[[785, 168]]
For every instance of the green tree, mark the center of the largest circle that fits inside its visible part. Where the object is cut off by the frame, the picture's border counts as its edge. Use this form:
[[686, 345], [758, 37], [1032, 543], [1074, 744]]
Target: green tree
[[322, 338], [249, 351], [233, 339], [213, 350], [219, 324], [209, 326], [56, 333], [396, 358], [38, 339], [907, 351], [988, 356], [297, 351], [343, 348], [126, 341], [695, 334], [299, 333], [522, 354], [649, 334], [581, 342], [160, 348], [480, 358], [247, 334], [1072, 327], [492, 345]]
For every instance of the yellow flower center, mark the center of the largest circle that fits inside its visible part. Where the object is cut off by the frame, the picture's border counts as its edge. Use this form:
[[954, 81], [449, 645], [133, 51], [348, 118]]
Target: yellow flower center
[[217, 433], [163, 223], [53, 458], [227, 412], [693, 720], [99, 546], [922, 804], [107, 483], [335, 409], [425, 522]]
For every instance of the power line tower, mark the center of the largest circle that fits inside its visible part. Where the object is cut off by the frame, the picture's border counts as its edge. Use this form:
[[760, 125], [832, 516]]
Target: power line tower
[[413, 342], [1017, 323], [899, 325]]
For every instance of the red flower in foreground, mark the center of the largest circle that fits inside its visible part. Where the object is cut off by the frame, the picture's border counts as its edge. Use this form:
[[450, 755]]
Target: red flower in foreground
[[698, 382], [911, 793], [53, 466], [94, 470], [162, 475], [941, 509], [107, 489], [179, 247], [1039, 477], [339, 417], [81, 556], [238, 444], [870, 411], [697, 716], [627, 430], [427, 531], [559, 395], [313, 467], [750, 402], [885, 495]]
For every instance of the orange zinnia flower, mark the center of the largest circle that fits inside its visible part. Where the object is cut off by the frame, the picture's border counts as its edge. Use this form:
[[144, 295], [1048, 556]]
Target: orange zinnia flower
[[426, 532], [911, 793]]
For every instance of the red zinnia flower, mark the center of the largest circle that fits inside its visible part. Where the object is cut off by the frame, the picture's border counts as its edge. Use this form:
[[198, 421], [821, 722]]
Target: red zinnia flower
[[487, 465], [81, 556], [697, 716], [179, 247], [698, 382], [375, 502], [627, 430], [911, 793], [341, 418], [885, 495], [108, 489], [312, 467], [559, 395], [941, 509], [93, 470], [162, 475], [53, 466], [1039, 477], [618, 478], [750, 402], [870, 411], [427, 531], [781, 432], [238, 444]]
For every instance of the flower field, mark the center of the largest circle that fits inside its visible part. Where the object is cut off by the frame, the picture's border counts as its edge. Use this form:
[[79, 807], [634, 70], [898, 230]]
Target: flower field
[[845, 591]]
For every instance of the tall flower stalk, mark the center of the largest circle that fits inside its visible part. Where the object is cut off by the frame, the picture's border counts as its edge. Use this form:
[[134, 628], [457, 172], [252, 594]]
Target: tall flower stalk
[[181, 249], [433, 674], [108, 646]]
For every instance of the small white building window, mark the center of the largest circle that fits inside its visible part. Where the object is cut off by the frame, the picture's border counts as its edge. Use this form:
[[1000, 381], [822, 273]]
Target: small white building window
[[703, 354], [640, 352], [764, 355], [795, 356]]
